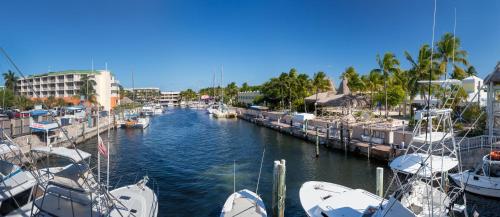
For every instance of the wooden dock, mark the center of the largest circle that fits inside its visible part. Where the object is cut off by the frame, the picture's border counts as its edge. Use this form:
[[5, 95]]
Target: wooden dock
[[374, 151]]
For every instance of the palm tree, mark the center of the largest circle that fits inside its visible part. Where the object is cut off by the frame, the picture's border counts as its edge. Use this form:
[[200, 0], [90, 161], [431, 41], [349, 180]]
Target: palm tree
[[320, 83], [373, 83], [10, 80], [419, 70], [471, 71], [387, 66], [231, 92], [448, 50], [23, 103], [355, 84], [87, 88], [303, 86], [402, 78]]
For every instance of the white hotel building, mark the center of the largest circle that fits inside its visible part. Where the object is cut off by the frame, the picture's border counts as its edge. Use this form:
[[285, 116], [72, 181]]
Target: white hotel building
[[66, 85], [170, 98]]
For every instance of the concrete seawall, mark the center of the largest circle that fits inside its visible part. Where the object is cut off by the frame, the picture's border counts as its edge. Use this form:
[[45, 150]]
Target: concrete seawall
[[326, 138]]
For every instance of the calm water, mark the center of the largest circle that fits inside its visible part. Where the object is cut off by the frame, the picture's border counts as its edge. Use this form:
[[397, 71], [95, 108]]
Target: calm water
[[191, 157]]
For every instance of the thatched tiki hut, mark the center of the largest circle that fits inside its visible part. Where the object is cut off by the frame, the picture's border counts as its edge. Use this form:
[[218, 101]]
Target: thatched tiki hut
[[340, 99]]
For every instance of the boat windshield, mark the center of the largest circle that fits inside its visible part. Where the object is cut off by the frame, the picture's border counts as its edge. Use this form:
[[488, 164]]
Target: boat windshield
[[6, 169]]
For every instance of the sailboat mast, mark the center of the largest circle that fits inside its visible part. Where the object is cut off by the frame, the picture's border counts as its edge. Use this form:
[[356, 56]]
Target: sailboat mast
[[133, 88], [221, 88], [213, 86]]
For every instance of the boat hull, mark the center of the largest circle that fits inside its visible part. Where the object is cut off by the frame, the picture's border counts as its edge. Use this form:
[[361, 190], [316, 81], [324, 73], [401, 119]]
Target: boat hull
[[243, 203], [478, 184]]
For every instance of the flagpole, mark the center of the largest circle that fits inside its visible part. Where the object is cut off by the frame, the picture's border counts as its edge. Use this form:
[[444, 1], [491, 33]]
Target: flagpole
[[107, 151]]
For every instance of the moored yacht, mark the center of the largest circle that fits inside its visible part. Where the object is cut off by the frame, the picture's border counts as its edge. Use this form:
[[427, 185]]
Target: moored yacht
[[73, 190], [484, 180], [158, 109], [147, 110]]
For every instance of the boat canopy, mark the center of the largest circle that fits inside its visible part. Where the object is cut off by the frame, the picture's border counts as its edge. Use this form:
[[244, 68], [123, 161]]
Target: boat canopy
[[43, 126], [71, 154], [38, 112], [412, 163], [432, 137]]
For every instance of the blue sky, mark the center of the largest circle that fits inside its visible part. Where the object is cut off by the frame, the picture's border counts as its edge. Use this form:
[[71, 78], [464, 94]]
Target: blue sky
[[180, 44]]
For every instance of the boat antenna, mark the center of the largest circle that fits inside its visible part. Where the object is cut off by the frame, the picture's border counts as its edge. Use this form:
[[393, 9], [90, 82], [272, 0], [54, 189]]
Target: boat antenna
[[98, 156], [234, 176], [107, 151], [260, 171], [429, 124]]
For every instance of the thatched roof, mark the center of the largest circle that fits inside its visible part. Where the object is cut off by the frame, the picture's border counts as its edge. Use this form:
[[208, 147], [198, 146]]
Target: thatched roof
[[340, 98], [343, 87], [125, 100], [332, 86], [494, 76], [349, 100], [322, 97]]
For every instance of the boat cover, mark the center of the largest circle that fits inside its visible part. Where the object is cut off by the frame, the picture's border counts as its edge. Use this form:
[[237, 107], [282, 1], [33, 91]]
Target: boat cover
[[71, 154], [434, 137], [411, 163]]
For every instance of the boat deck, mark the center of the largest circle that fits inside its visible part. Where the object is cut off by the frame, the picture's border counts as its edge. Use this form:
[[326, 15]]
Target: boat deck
[[244, 207]]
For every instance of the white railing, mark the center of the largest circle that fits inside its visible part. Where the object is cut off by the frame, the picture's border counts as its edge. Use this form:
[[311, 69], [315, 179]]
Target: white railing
[[483, 141]]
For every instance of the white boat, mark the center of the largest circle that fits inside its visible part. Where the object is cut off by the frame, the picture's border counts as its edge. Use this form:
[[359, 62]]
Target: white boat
[[244, 203], [142, 122], [72, 190], [222, 111], [212, 108], [147, 110], [17, 186], [483, 181], [320, 199], [158, 109]]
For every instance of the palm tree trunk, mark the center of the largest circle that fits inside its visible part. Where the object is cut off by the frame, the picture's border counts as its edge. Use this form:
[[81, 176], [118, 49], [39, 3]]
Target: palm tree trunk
[[405, 102], [316, 103], [385, 90]]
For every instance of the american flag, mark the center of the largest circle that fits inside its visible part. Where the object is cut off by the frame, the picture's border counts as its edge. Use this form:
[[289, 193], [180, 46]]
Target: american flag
[[101, 147]]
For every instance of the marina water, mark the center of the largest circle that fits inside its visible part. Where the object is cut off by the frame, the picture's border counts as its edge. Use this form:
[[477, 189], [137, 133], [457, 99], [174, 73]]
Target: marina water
[[190, 155]]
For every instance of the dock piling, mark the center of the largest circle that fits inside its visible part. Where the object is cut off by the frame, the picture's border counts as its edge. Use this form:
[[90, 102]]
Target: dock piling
[[342, 136], [317, 143], [327, 131], [279, 188], [380, 181]]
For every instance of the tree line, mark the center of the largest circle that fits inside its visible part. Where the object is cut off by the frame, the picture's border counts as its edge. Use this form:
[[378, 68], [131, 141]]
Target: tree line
[[391, 85]]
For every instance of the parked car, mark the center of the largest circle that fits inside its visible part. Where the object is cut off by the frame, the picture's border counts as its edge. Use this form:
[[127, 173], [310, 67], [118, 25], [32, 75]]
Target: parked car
[[21, 114], [9, 113]]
